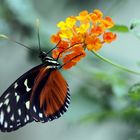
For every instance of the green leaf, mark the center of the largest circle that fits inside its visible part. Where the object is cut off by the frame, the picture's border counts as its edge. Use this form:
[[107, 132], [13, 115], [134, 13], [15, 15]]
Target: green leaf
[[120, 28]]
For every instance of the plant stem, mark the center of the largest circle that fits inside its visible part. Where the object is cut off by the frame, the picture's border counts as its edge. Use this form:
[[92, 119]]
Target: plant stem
[[114, 64]]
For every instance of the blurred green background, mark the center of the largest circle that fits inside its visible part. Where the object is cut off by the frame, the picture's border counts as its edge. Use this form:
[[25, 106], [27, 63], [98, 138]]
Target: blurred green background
[[105, 100]]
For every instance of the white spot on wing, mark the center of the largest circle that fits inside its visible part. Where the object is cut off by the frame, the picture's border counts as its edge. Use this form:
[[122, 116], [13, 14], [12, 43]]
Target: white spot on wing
[[40, 115], [1, 104], [27, 117], [6, 102], [5, 124], [15, 85], [19, 112], [12, 118], [11, 126], [34, 108], [25, 120], [15, 94], [8, 109], [1, 117], [27, 104], [6, 95], [17, 98], [27, 88]]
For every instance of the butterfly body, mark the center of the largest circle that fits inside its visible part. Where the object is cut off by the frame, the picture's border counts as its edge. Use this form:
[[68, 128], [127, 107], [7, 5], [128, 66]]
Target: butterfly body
[[40, 95]]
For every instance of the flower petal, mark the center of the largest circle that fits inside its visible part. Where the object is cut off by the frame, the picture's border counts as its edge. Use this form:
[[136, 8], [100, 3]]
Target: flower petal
[[109, 37]]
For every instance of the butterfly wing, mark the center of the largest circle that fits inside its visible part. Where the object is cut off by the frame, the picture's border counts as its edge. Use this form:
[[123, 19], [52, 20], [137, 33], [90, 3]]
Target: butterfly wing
[[15, 102], [50, 96]]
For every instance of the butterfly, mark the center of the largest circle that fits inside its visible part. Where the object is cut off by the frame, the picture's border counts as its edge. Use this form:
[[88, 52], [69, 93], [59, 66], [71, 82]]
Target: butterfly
[[41, 95]]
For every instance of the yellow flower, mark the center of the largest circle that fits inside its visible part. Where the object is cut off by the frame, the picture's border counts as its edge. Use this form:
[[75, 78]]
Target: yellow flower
[[66, 34], [70, 22], [62, 25], [83, 28]]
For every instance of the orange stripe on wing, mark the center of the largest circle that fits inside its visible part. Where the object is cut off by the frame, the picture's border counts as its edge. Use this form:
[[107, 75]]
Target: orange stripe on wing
[[53, 95], [40, 76]]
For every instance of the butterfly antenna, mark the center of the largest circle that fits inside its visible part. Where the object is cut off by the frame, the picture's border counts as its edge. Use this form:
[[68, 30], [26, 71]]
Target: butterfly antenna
[[38, 34], [12, 40], [54, 47]]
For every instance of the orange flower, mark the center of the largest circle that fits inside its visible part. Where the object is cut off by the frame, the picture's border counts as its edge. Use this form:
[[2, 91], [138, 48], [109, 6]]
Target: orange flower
[[93, 43], [69, 65], [76, 39], [109, 37], [55, 54], [77, 48], [87, 31], [107, 22], [83, 17], [55, 38], [69, 61], [97, 30], [63, 44], [96, 16]]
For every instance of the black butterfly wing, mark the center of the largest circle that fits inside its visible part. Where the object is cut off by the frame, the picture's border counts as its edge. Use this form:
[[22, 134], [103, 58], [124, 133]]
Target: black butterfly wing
[[15, 102]]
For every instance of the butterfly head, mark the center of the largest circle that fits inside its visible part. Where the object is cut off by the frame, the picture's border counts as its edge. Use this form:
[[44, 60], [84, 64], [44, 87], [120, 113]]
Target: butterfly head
[[48, 60]]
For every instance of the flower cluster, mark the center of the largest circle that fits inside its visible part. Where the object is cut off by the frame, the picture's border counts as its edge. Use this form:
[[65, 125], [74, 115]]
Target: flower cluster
[[78, 33]]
